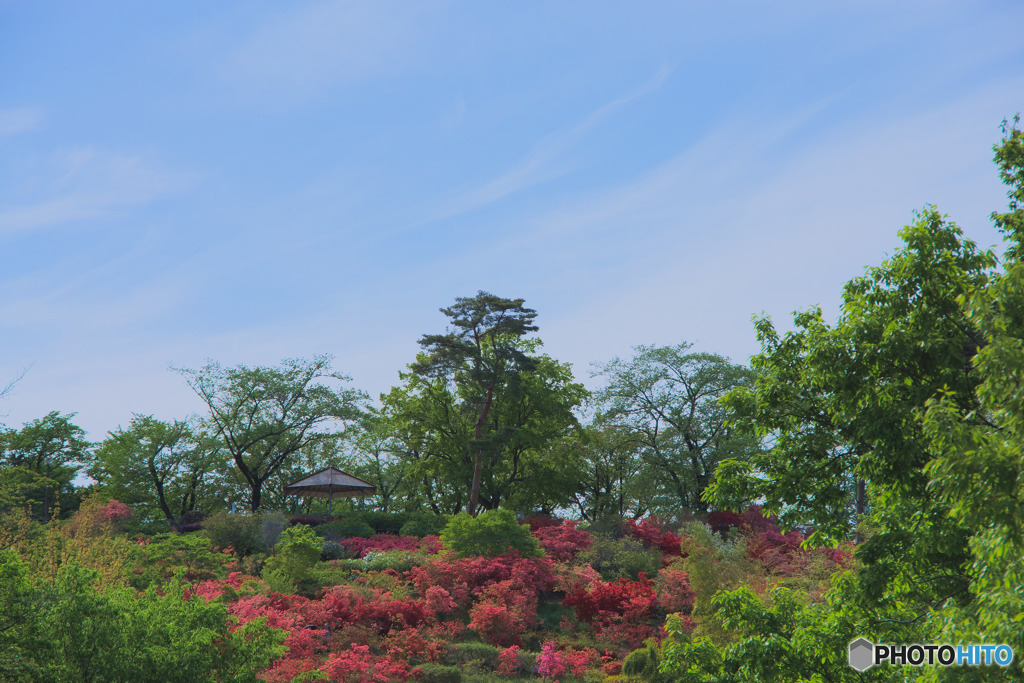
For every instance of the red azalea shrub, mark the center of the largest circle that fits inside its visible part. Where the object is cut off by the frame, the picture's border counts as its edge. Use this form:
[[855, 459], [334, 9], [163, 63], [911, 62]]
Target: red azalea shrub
[[769, 539], [359, 547], [674, 592], [653, 532], [723, 520], [463, 577], [840, 556], [619, 612], [753, 519], [563, 542], [236, 583], [308, 520], [413, 644], [508, 661], [616, 597], [284, 612], [541, 521], [342, 605], [439, 601], [503, 612], [446, 631], [359, 665], [116, 511]]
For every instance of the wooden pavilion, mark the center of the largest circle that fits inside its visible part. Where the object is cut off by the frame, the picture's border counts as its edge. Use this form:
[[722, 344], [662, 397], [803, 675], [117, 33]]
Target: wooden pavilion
[[328, 483]]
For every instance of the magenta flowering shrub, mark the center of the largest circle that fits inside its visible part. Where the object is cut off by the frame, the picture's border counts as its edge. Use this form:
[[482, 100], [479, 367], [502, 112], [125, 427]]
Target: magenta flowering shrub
[[378, 543], [552, 663], [116, 511]]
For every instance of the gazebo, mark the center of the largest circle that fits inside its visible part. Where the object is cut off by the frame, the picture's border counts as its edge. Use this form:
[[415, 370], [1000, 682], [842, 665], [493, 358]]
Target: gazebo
[[328, 483]]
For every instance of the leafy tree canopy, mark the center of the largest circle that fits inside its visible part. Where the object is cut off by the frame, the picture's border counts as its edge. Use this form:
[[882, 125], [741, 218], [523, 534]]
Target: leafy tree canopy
[[668, 399], [265, 416]]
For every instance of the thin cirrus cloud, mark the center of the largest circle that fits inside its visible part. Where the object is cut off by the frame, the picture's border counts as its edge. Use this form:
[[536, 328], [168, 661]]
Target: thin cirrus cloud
[[87, 183], [545, 160], [19, 120], [301, 51]]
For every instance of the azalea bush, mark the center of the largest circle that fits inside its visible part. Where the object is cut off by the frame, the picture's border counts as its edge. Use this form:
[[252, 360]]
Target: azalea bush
[[358, 547], [562, 542], [654, 533], [553, 663]]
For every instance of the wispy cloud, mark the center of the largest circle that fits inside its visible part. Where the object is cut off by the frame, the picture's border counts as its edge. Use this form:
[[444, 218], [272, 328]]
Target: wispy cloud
[[86, 183], [543, 161], [20, 120], [304, 49]]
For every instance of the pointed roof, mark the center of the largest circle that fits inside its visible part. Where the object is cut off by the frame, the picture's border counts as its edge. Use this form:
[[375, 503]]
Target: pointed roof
[[330, 482]]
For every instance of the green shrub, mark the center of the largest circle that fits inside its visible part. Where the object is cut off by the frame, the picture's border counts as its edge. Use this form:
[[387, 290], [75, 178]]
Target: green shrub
[[423, 524], [252, 564], [325, 575], [271, 525], [349, 526], [386, 522], [608, 523], [714, 564], [614, 558], [238, 532], [642, 664], [190, 555], [294, 555], [493, 532], [332, 550], [463, 654], [439, 673], [399, 560]]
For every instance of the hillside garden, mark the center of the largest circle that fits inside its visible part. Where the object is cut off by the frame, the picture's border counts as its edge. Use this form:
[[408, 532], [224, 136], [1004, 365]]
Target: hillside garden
[[690, 521]]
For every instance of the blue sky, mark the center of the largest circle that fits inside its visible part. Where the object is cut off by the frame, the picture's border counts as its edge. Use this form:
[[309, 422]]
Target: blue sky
[[249, 181]]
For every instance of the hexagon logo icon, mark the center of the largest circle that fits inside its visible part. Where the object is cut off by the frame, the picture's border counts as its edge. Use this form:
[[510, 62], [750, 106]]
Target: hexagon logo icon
[[862, 654]]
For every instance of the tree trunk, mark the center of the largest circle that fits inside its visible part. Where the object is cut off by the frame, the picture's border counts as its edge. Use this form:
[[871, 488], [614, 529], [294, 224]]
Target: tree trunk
[[861, 504], [46, 496], [478, 464], [257, 494]]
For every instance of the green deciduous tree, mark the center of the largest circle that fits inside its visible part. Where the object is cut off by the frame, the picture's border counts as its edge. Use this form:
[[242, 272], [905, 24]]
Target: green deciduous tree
[[515, 457], [376, 461], [167, 466], [612, 479], [916, 391], [978, 469], [54, 449], [668, 399], [843, 402], [265, 416]]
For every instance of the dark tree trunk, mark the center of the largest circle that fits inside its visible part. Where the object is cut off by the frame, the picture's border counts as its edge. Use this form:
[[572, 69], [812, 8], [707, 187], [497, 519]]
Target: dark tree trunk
[[478, 464]]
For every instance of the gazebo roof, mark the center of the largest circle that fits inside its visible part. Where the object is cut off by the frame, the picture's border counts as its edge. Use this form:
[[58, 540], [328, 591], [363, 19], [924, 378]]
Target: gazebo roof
[[330, 483]]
